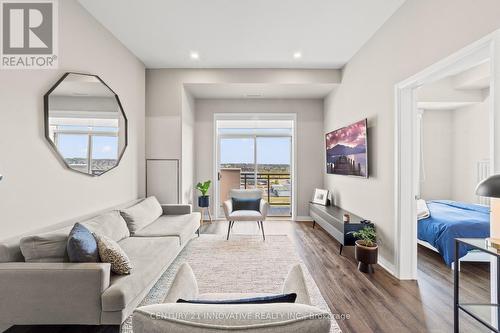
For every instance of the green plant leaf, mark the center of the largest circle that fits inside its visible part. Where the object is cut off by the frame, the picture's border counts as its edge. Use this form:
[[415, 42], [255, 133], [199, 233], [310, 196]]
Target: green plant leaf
[[368, 235], [203, 187]]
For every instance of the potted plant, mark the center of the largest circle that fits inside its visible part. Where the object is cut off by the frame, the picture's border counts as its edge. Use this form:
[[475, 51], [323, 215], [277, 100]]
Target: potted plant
[[366, 250], [203, 200]]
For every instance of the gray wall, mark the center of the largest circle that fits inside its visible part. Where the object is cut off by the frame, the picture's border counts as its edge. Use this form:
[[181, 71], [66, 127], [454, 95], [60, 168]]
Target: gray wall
[[310, 138], [419, 34], [169, 107], [38, 190]]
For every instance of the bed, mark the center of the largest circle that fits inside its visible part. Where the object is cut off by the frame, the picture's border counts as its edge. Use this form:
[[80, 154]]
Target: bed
[[447, 220]]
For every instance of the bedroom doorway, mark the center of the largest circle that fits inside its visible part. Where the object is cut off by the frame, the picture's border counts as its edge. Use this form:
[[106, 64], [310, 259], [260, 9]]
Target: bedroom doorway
[[453, 135], [486, 53]]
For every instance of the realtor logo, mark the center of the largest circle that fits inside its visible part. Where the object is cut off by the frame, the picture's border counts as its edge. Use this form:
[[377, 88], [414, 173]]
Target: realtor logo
[[29, 34]]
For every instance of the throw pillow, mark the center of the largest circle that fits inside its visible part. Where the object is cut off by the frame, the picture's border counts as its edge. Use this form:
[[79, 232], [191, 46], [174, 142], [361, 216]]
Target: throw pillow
[[142, 214], [82, 246], [284, 298], [110, 224], [111, 252], [246, 204]]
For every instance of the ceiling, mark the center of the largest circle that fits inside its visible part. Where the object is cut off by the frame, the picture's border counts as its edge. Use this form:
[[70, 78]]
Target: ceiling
[[243, 34], [259, 90]]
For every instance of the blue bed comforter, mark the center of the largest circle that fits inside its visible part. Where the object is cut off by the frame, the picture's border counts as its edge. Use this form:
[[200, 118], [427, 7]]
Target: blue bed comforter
[[451, 219]]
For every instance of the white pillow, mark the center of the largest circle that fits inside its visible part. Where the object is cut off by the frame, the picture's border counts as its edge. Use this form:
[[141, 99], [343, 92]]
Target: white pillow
[[142, 214], [422, 210]]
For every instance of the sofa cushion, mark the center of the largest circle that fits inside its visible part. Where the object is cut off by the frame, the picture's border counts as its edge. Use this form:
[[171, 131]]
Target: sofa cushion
[[265, 318], [150, 257], [110, 224], [10, 250], [246, 215], [46, 247], [110, 252], [81, 245], [181, 226], [142, 214]]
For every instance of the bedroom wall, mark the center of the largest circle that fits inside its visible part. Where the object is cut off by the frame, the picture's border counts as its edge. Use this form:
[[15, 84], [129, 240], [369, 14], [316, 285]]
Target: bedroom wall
[[37, 190], [471, 145], [454, 141], [419, 34], [438, 158], [310, 139]]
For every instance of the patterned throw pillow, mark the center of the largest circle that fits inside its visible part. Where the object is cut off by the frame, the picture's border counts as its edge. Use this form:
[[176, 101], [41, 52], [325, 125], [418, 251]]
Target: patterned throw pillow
[[111, 252]]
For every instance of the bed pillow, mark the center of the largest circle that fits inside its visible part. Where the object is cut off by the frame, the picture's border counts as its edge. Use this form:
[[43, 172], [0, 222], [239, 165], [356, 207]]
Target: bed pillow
[[82, 246], [142, 214], [422, 210]]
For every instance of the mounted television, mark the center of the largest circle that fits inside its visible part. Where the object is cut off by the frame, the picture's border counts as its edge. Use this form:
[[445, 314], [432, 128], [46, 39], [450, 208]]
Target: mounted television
[[347, 150]]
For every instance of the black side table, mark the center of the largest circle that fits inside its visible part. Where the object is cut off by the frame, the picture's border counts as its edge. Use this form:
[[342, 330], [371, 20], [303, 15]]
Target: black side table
[[480, 312]]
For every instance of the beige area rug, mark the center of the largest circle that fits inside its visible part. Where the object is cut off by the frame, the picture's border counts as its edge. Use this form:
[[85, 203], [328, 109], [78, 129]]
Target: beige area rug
[[242, 264]]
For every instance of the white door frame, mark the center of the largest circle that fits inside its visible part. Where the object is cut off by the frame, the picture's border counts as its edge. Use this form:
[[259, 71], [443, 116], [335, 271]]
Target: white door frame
[[406, 182], [257, 116]]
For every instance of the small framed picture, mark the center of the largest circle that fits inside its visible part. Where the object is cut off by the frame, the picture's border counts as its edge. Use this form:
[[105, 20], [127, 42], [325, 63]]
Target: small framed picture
[[320, 196]]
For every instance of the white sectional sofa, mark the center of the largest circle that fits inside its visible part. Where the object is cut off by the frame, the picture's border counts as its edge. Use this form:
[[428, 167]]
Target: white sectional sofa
[[42, 288]]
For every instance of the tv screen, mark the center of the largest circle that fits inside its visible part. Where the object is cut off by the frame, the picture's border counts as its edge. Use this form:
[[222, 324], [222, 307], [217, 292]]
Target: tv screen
[[346, 150]]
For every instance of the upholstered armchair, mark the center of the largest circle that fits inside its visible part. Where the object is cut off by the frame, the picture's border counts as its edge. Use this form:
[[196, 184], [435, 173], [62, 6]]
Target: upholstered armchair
[[258, 213]]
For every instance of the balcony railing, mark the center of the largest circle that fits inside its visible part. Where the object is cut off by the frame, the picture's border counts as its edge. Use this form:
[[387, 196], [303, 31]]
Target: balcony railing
[[276, 187]]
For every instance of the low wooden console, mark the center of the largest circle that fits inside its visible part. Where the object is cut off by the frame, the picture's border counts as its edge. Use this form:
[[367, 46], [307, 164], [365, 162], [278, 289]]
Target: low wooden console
[[330, 218]]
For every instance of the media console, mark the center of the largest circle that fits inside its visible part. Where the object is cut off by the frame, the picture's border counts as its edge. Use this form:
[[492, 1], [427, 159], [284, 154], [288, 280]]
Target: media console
[[330, 218]]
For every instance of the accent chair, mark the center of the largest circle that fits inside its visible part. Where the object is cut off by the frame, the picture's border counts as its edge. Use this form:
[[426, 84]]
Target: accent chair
[[233, 213]]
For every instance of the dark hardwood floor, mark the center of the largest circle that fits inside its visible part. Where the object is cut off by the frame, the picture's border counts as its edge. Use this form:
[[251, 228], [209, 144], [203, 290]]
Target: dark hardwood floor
[[362, 303]]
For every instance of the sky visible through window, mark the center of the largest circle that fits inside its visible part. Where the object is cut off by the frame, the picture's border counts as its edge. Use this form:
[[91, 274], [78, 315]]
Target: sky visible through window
[[269, 150], [75, 146]]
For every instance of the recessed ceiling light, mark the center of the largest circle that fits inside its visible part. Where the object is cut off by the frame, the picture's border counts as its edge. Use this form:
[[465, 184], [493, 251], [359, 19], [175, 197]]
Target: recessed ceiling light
[[257, 95], [297, 55], [194, 55]]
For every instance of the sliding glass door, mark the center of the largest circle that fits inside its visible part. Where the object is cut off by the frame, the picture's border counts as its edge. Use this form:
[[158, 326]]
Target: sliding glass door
[[273, 165], [257, 161]]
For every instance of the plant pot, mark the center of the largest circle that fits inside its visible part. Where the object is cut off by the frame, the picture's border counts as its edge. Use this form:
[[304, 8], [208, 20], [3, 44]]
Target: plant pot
[[366, 256], [204, 201]]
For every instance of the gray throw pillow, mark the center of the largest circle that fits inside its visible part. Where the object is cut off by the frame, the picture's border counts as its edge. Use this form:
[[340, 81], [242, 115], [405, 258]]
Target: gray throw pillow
[[110, 252], [82, 246], [142, 214], [110, 224]]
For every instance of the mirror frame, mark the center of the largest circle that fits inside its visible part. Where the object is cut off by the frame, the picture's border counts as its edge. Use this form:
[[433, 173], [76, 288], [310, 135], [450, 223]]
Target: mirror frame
[[46, 123]]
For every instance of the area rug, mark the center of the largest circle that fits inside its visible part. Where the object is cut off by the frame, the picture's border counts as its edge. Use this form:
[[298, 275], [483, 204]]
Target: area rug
[[244, 264]]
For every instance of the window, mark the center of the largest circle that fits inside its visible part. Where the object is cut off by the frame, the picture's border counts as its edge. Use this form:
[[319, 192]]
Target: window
[[89, 149]]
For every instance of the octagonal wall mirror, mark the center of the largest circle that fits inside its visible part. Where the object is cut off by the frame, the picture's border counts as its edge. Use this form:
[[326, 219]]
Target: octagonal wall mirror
[[85, 123]]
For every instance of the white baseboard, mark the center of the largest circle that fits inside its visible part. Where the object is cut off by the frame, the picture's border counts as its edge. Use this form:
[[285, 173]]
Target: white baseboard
[[387, 265], [304, 218]]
